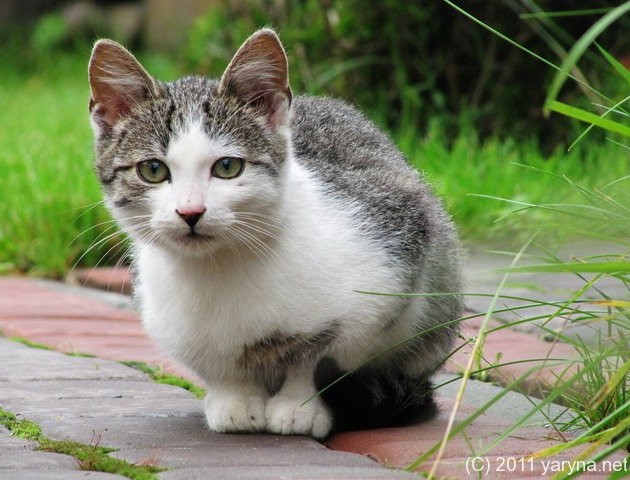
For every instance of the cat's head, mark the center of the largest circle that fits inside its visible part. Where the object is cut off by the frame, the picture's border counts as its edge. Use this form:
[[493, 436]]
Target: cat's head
[[195, 165]]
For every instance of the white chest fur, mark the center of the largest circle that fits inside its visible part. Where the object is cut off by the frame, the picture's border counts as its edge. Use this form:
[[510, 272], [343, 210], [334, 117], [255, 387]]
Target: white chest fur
[[205, 312]]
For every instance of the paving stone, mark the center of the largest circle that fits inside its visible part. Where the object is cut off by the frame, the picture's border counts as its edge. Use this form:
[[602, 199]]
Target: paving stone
[[17, 453], [399, 447], [481, 278], [19, 362], [169, 429], [511, 407], [538, 365], [137, 432], [27, 459], [117, 280], [111, 298], [108, 407], [99, 327], [37, 390], [44, 302], [111, 346], [294, 472], [58, 475], [261, 450]]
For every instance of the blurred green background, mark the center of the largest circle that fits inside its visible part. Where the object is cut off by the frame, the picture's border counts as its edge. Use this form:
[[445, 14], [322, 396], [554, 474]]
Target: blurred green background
[[462, 103]]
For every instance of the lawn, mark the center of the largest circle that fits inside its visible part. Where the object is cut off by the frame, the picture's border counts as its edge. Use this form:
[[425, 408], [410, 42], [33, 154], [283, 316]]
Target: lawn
[[53, 219]]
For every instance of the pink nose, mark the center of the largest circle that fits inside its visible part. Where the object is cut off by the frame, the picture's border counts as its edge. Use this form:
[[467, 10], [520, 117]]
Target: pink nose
[[191, 215]]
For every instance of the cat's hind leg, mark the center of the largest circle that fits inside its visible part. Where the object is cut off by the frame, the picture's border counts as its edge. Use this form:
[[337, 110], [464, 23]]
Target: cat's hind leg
[[236, 407], [296, 409]]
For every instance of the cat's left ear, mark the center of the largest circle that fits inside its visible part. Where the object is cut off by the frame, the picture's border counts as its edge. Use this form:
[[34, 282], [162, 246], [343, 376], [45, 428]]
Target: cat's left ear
[[259, 75]]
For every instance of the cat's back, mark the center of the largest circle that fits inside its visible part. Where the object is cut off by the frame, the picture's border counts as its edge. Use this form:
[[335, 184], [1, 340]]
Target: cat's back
[[357, 162], [332, 134]]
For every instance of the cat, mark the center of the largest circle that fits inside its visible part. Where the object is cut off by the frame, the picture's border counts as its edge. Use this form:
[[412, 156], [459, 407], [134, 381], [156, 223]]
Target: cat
[[260, 224]]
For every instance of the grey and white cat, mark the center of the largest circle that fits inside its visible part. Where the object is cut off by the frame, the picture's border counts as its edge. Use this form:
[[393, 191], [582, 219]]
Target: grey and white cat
[[258, 222]]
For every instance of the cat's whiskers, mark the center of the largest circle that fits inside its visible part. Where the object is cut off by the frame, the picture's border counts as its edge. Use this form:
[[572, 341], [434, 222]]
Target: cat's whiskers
[[238, 258], [257, 226], [86, 208], [260, 249], [261, 227], [105, 237]]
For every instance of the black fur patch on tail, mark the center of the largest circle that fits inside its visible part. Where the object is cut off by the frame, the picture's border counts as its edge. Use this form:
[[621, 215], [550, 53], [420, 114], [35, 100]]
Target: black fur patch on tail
[[374, 397]]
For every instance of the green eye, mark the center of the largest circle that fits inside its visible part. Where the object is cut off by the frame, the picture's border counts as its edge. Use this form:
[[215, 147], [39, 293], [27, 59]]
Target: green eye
[[153, 171], [228, 167]]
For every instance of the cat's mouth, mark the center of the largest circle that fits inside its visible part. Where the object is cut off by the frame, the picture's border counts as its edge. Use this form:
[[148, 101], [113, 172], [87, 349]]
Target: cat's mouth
[[194, 236]]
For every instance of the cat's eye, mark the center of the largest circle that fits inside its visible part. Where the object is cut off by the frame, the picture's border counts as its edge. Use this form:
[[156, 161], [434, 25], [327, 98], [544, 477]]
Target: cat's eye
[[153, 171], [228, 167]]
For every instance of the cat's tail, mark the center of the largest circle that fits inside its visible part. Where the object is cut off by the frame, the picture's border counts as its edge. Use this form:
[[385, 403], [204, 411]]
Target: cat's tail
[[374, 397]]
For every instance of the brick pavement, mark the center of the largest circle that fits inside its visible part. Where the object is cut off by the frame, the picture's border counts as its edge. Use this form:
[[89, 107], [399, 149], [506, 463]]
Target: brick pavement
[[81, 398]]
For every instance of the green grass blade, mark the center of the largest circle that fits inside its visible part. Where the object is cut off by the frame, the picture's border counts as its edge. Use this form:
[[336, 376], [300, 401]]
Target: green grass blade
[[589, 267], [588, 117], [579, 48], [565, 13], [619, 67]]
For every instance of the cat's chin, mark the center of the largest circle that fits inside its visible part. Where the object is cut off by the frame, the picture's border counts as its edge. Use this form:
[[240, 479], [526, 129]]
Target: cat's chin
[[194, 246]]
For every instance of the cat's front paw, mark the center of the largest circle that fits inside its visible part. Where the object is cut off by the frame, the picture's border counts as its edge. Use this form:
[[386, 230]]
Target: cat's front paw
[[234, 412], [287, 415]]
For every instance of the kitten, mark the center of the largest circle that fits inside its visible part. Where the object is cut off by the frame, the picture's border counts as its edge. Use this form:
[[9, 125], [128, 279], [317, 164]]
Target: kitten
[[258, 221]]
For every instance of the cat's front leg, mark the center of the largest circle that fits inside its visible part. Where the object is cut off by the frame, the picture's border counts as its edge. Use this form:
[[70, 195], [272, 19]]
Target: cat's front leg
[[236, 407], [292, 411]]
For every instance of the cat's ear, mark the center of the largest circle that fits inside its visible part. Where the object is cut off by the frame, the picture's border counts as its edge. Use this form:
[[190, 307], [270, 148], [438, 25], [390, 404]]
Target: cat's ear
[[259, 75], [117, 82]]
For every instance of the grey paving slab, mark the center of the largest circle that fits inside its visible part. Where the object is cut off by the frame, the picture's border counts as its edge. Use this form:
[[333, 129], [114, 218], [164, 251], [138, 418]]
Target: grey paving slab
[[107, 407], [20, 363], [511, 407], [264, 451], [482, 278], [57, 475], [26, 459], [17, 453], [87, 389], [19, 461], [294, 472], [126, 432], [100, 402]]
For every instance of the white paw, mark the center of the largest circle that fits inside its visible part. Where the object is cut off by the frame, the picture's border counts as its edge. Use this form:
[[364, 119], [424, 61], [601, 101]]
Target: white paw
[[287, 415], [233, 412]]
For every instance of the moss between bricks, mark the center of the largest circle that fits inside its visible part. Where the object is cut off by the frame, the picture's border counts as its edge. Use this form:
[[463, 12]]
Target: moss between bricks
[[154, 372], [41, 346], [159, 376], [93, 458]]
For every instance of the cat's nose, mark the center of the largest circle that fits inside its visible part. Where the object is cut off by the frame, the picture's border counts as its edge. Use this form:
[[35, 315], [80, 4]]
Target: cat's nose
[[191, 215]]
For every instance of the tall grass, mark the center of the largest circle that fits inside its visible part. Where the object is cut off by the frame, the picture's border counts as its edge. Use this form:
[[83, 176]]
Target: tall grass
[[52, 215], [597, 388], [48, 188]]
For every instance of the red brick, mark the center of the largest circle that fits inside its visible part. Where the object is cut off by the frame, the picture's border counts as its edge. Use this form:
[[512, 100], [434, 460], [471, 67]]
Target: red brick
[[550, 361], [113, 279]]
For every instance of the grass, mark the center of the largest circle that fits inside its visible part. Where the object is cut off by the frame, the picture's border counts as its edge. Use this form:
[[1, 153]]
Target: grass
[[597, 388], [52, 212], [89, 457]]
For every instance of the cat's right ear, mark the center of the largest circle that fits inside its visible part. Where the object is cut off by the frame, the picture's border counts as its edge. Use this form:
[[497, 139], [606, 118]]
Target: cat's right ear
[[117, 83]]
